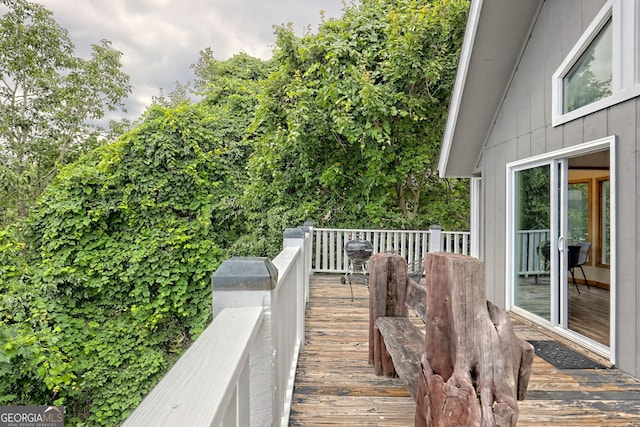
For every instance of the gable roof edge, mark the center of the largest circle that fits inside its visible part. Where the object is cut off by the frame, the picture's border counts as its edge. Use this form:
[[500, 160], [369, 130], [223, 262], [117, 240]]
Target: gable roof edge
[[496, 37], [458, 87]]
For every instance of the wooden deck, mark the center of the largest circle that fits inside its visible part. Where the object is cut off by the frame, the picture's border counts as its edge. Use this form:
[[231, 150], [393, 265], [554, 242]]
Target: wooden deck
[[336, 386]]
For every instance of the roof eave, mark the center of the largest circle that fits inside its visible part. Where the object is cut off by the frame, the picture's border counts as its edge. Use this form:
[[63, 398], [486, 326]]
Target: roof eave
[[495, 37], [458, 88]]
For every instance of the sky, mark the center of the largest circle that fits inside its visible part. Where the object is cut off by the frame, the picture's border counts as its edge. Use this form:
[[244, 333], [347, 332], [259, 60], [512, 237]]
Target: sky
[[161, 39]]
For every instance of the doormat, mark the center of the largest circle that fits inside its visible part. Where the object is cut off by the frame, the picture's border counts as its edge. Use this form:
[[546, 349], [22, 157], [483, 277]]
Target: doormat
[[562, 357]]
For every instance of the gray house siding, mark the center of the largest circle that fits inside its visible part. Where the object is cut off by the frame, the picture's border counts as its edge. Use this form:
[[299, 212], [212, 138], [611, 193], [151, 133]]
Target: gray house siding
[[522, 129], [623, 121]]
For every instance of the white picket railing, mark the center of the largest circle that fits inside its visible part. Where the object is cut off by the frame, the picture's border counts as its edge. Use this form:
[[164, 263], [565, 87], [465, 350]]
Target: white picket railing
[[329, 255], [413, 245], [528, 249]]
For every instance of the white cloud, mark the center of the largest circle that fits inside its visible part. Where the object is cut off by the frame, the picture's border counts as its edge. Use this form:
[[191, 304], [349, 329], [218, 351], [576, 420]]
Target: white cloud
[[160, 39]]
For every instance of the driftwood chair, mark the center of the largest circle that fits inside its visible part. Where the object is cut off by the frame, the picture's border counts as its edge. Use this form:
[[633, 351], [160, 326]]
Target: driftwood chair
[[463, 364]]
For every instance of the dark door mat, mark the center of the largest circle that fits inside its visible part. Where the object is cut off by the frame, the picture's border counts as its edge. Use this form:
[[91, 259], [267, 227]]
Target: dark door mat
[[562, 357]]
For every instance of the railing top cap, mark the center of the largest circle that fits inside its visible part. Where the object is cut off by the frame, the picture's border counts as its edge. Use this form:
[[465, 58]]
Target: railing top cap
[[294, 233], [245, 273]]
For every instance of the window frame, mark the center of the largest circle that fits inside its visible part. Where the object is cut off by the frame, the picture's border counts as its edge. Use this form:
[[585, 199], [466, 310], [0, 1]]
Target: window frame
[[589, 201], [624, 16], [600, 220]]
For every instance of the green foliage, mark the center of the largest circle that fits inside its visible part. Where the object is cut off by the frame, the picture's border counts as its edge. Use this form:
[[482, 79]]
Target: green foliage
[[123, 246], [590, 78], [107, 282], [353, 118], [30, 354], [110, 280], [578, 212], [535, 199], [48, 100]]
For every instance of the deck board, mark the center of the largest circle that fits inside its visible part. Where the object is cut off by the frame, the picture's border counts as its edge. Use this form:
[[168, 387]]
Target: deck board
[[335, 385]]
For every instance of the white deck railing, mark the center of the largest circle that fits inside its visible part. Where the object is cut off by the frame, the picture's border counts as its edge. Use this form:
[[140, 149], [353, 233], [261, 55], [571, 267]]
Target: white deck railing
[[528, 250], [207, 386], [413, 245], [241, 370]]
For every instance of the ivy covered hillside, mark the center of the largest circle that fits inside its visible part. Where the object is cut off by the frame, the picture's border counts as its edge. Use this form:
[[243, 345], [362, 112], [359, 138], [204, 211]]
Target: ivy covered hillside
[[109, 236]]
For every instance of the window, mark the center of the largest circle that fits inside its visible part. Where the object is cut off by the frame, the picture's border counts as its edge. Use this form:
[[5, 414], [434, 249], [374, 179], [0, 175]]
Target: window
[[589, 214], [604, 219], [579, 212], [590, 78], [603, 67]]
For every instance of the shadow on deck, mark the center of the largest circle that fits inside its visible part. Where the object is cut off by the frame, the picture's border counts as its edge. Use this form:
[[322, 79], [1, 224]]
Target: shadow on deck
[[335, 385]]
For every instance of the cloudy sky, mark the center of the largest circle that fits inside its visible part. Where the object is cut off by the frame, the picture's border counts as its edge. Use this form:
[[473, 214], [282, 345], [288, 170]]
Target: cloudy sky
[[160, 39]]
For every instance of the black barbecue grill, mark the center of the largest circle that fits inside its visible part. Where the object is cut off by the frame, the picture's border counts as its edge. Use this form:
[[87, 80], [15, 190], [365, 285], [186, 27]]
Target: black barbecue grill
[[358, 252]]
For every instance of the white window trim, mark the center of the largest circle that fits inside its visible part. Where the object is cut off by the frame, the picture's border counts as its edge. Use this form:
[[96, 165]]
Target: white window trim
[[624, 21]]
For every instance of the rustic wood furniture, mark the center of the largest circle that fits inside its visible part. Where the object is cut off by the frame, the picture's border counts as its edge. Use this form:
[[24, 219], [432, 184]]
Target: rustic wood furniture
[[468, 367]]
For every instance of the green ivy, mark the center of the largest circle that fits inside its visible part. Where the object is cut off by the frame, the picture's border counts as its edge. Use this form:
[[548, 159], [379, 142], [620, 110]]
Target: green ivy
[[115, 281], [353, 118]]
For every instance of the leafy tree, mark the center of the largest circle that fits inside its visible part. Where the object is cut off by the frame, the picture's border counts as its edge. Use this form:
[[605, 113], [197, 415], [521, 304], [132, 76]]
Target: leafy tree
[[353, 120], [175, 97], [123, 244], [230, 91], [49, 101], [577, 212], [535, 198], [582, 84], [32, 366], [239, 74]]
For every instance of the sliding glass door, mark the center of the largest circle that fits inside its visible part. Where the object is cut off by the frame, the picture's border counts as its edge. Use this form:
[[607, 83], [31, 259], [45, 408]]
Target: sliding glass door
[[548, 218], [532, 221], [539, 246]]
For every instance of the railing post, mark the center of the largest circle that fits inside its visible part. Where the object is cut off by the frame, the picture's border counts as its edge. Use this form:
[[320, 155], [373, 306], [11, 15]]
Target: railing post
[[248, 282], [435, 238], [295, 237], [308, 229], [308, 249]]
